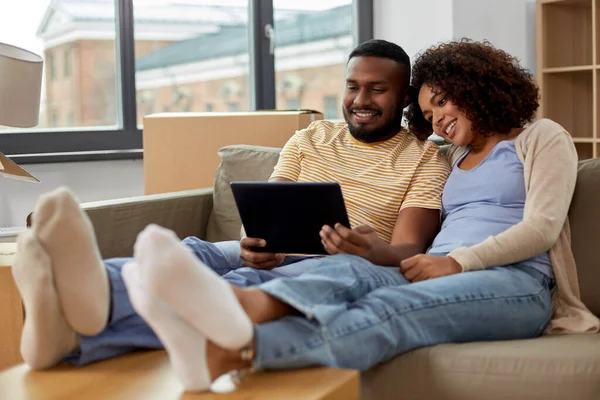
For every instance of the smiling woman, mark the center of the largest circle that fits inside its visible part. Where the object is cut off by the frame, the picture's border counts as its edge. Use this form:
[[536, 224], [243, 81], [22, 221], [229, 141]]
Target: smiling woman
[[493, 91]]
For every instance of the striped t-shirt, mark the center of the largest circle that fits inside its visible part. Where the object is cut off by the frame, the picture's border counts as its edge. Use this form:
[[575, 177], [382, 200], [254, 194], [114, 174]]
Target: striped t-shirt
[[377, 179]]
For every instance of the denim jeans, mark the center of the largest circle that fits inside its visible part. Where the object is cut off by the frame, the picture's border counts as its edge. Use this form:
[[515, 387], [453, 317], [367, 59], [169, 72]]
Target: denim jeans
[[356, 314], [126, 331]]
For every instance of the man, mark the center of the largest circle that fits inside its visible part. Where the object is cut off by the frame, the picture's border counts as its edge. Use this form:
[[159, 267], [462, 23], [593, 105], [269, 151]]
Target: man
[[78, 309]]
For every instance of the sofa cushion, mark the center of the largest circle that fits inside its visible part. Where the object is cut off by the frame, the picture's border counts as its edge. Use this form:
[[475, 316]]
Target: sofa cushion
[[550, 367], [238, 163], [584, 218]]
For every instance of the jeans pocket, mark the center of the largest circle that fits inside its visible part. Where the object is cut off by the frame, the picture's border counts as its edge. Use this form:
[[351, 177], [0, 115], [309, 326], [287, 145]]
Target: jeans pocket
[[550, 287], [543, 326]]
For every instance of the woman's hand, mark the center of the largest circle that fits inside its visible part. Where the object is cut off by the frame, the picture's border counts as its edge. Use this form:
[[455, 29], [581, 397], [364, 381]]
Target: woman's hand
[[422, 267], [361, 241]]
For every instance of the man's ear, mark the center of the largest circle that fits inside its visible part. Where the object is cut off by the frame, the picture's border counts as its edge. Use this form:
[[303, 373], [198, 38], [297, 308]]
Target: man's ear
[[410, 96]]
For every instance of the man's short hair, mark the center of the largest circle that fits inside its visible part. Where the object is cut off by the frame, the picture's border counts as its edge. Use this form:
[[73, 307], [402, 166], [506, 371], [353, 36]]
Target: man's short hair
[[382, 49]]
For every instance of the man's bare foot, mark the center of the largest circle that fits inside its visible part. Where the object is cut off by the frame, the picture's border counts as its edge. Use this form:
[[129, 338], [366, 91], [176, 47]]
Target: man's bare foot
[[47, 337], [67, 236]]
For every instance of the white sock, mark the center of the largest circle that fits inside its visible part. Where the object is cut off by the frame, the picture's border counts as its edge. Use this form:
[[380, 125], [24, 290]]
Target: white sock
[[80, 277], [191, 289], [47, 337], [184, 344]]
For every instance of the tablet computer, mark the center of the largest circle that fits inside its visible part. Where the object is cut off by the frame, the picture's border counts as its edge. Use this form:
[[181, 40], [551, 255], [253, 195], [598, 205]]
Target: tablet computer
[[289, 215]]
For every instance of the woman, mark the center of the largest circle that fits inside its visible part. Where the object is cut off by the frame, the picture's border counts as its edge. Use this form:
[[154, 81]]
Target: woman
[[488, 275]]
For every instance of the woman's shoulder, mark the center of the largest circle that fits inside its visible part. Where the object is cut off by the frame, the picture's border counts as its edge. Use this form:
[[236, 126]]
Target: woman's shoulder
[[542, 135], [544, 129]]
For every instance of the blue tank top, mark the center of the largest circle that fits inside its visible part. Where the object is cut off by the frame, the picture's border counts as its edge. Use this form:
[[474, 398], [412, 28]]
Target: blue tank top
[[485, 201]]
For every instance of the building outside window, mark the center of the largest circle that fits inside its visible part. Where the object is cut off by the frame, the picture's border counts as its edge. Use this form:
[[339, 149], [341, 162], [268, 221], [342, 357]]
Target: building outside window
[[293, 104], [331, 108], [67, 62]]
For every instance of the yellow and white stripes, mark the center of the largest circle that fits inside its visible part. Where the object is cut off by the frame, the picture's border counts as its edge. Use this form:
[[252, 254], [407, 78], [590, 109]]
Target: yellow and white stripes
[[377, 179]]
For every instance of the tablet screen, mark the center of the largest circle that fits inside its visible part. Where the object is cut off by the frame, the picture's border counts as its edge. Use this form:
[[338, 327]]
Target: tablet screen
[[289, 215]]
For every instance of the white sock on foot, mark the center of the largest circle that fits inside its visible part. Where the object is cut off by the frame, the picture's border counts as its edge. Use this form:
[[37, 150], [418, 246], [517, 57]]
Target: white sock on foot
[[184, 344], [80, 277], [191, 289], [47, 337]]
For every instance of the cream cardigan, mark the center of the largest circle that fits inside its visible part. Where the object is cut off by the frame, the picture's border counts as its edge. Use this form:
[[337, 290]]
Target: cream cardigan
[[550, 170]]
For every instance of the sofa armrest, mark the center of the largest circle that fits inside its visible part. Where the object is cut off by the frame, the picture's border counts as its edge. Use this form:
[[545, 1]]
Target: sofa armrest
[[117, 222]]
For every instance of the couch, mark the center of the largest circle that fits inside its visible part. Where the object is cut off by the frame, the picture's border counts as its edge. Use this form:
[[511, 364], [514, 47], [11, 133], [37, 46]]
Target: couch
[[556, 367]]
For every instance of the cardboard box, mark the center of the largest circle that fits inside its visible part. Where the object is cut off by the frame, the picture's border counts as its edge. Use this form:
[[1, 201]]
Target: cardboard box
[[180, 149]]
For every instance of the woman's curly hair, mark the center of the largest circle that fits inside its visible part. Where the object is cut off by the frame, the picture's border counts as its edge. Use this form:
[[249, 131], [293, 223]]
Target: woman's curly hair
[[486, 83]]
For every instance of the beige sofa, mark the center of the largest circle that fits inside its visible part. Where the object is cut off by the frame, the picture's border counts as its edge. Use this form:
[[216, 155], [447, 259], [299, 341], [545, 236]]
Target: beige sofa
[[558, 367]]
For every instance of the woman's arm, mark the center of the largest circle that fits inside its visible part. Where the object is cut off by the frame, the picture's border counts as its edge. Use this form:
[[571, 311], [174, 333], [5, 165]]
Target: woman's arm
[[550, 173]]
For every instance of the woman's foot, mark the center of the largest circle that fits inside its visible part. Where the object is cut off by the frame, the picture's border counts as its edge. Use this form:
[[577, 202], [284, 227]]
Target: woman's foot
[[196, 361], [192, 290], [47, 337], [67, 236]]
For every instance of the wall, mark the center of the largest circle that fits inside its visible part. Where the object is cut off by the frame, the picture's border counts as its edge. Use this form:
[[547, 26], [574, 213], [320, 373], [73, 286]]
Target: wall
[[507, 24], [414, 25], [98, 180]]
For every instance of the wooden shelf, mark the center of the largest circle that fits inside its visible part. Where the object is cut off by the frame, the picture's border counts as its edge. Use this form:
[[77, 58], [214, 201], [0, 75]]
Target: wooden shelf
[[585, 150], [566, 33], [568, 99], [563, 1], [568, 46], [577, 68]]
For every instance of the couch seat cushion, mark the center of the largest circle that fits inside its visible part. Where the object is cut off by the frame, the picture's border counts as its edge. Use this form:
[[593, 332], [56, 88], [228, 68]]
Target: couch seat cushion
[[550, 367]]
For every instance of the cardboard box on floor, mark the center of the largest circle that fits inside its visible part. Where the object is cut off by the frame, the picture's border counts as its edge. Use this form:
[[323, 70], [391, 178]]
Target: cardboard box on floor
[[180, 149]]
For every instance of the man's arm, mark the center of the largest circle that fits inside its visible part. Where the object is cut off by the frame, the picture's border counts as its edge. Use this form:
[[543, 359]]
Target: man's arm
[[414, 231], [416, 225]]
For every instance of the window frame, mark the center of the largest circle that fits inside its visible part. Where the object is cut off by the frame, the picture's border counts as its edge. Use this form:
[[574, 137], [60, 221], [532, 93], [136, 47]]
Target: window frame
[[125, 140]]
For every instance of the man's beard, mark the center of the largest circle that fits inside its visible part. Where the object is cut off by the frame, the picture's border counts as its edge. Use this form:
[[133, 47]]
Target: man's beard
[[389, 129]]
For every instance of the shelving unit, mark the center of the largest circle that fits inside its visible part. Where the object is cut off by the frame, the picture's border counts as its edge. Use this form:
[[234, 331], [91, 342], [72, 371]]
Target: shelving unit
[[568, 59]]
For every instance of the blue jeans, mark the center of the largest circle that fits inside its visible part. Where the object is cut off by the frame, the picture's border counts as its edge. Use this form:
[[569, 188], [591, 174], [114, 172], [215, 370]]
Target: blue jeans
[[356, 314], [126, 331]]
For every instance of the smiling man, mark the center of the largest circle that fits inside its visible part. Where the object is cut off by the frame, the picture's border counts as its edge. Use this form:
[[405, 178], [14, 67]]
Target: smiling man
[[77, 306], [391, 179]]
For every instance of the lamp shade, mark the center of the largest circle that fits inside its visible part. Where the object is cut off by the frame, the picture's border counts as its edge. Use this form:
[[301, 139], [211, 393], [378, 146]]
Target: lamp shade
[[20, 86]]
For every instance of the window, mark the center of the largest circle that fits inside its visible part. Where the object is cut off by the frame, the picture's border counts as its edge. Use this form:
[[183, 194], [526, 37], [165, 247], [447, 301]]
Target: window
[[111, 62], [293, 104], [331, 108], [67, 62], [55, 119], [311, 52], [51, 65], [200, 50]]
